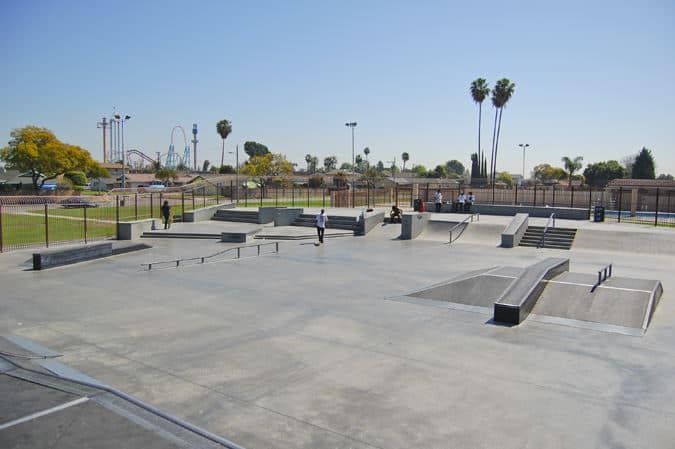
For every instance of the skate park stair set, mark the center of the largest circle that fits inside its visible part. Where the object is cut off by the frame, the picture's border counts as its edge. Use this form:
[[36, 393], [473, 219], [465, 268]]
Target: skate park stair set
[[240, 216], [557, 238], [334, 222], [548, 292]]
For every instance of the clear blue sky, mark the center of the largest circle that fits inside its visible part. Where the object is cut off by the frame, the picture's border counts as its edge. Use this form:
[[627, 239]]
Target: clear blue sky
[[593, 78]]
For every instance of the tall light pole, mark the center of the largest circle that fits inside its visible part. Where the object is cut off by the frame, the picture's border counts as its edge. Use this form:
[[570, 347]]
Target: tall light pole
[[121, 120], [523, 146], [352, 125], [237, 166]]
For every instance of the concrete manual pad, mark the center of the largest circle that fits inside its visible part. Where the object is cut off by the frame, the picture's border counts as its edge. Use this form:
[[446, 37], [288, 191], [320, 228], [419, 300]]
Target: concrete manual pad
[[622, 302]]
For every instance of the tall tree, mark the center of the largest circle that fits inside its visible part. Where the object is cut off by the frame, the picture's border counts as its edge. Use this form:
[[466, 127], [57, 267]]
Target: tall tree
[[456, 167], [479, 92], [223, 128], [501, 95], [255, 149], [366, 151], [643, 167], [165, 174], [308, 159], [600, 173], [572, 165], [38, 151], [330, 163], [205, 166], [406, 157]]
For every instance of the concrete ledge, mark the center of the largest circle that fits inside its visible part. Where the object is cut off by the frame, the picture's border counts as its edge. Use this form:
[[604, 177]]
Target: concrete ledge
[[565, 213], [205, 213], [127, 247], [367, 222], [520, 297], [287, 215], [412, 224], [132, 230], [237, 236], [66, 256], [515, 231], [268, 214]]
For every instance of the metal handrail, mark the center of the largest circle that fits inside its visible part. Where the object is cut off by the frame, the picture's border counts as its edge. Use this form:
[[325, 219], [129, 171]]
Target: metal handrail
[[177, 262], [603, 274], [542, 242], [463, 222]]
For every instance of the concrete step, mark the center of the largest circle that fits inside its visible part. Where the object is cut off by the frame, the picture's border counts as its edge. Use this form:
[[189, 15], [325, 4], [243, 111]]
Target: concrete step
[[236, 219], [179, 235]]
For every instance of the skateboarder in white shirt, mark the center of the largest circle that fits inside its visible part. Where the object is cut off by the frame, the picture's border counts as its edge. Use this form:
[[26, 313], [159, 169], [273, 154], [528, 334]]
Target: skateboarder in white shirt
[[321, 221]]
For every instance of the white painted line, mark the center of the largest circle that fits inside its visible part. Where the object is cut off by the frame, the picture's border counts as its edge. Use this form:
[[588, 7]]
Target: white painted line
[[500, 276], [43, 413], [600, 286]]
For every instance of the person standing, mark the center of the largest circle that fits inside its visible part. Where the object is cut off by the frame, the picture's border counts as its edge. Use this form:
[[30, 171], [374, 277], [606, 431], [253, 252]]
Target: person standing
[[166, 213], [321, 221], [438, 200]]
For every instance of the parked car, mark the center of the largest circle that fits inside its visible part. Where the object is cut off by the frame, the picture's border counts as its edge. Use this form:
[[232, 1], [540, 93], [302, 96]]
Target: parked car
[[77, 202]]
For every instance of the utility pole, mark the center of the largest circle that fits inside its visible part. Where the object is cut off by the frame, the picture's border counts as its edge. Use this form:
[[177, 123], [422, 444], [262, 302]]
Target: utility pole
[[103, 124]]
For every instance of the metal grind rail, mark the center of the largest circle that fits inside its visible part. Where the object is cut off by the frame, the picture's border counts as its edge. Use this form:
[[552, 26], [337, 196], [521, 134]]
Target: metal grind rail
[[463, 224], [550, 223], [603, 274], [236, 251]]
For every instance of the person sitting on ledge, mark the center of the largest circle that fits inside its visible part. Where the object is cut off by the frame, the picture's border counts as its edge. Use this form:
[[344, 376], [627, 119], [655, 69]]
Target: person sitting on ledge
[[459, 203], [395, 214], [470, 199]]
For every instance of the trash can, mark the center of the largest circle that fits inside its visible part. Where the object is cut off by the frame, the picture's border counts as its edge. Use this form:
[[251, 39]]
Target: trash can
[[416, 205], [598, 214]]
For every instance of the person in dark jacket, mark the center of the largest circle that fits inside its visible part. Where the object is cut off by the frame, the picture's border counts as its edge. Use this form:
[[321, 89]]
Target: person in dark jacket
[[166, 213]]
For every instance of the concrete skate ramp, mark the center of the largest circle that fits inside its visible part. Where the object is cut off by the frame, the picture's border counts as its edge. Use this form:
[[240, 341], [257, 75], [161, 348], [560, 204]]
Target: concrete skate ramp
[[479, 288], [644, 240], [476, 232], [621, 302], [515, 304]]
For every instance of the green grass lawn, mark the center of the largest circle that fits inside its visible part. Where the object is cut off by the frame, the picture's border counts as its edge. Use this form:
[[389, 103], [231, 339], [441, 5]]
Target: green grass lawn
[[26, 230]]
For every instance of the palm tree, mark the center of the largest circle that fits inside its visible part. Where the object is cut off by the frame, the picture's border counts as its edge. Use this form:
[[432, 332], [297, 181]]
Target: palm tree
[[501, 95], [479, 92], [572, 165], [224, 128], [308, 159], [366, 151], [406, 157]]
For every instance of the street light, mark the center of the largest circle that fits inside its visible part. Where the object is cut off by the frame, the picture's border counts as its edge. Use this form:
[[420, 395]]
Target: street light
[[523, 146], [352, 125], [121, 120], [237, 165]]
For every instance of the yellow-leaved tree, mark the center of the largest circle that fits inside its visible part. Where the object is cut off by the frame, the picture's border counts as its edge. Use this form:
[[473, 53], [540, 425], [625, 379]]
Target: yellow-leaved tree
[[37, 151]]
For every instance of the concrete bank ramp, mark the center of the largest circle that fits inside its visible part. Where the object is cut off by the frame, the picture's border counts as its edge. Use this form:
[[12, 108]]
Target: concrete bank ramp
[[648, 240]]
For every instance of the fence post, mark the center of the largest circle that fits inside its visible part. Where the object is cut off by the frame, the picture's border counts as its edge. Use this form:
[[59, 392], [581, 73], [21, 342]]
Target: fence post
[[46, 226], [396, 193], [262, 193], [368, 193], [534, 202], [84, 211], [553, 195], [515, 201], [117, 216], [232, 191], [307, 193], [323, 199], [572, 198], [193, 200], [590, 198], [135, 206], [426, 195], [245, 194], [656, 212], [543, 194], [182, 203], [204, 195], [1, 247], [276, 197], [293, 195], [217, 192], [620, 198]]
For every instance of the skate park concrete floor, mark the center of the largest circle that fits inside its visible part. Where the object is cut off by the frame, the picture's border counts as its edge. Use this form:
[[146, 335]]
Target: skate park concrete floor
[[302, 349]]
